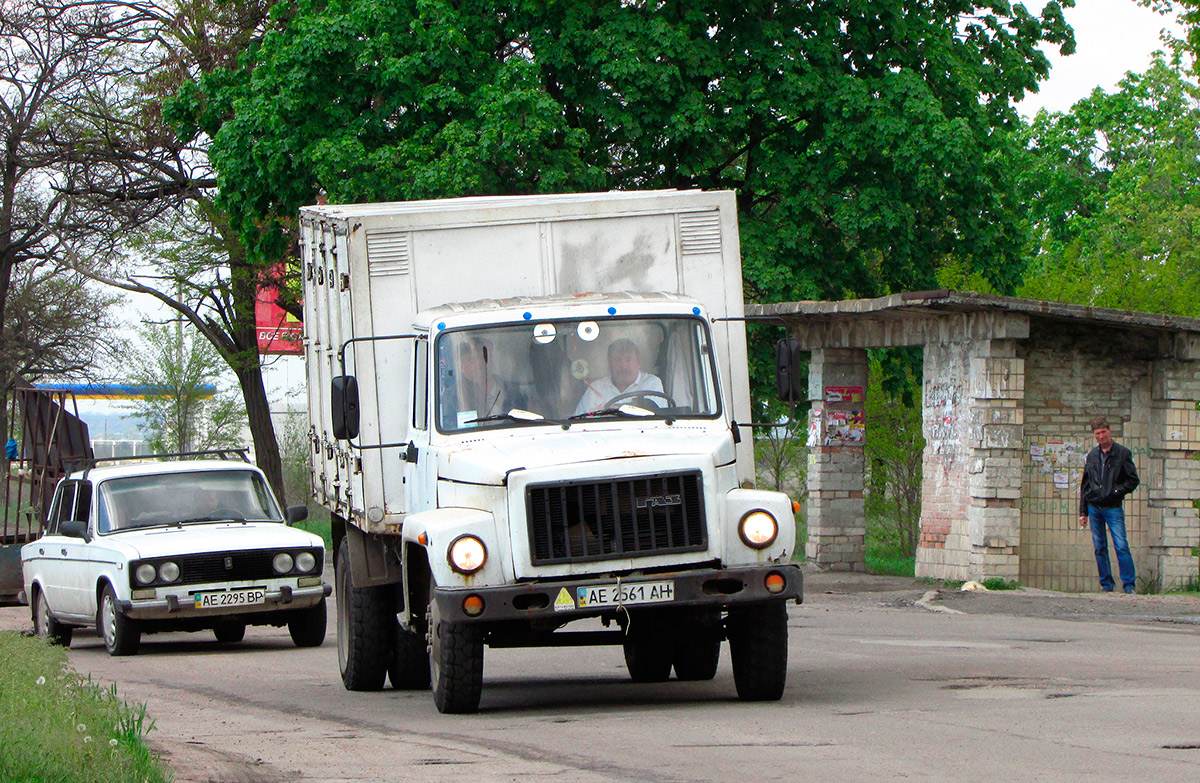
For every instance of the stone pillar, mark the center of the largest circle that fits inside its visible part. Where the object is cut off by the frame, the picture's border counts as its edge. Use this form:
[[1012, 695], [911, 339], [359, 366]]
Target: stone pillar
[[995, 437], [973, 409], [1173, 476], [836, 520]]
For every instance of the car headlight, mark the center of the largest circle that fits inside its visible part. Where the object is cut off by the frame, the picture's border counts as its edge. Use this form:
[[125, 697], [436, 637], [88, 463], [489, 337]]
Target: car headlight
[[282, 563], [305, 562], [168, 571], [758, 529], [467, 554], [146, 573]]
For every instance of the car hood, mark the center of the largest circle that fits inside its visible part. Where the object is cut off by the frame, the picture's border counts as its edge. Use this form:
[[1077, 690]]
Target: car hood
[[487, 460], [198, 538]]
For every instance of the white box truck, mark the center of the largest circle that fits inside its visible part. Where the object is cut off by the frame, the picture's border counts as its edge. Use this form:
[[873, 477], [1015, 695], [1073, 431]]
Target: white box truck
[[525, 412]]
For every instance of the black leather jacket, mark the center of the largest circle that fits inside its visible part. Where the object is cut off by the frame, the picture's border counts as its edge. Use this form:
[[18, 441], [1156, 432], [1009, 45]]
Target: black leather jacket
[[1107, 478]]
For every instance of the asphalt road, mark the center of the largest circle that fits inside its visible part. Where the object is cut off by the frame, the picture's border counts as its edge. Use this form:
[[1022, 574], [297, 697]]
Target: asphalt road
[[884, 683]]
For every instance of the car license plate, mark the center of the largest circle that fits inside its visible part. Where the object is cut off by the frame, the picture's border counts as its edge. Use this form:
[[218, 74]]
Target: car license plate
[[624, 594], [231, 598]]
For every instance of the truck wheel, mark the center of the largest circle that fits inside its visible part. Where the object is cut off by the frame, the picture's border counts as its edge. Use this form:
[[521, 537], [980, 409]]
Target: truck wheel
[[307, 626], [409, 668], [758, 643], [230, 633], [455, 663], [362, 628], [121, 635], [48, 629], [697, 657], [648, 659]]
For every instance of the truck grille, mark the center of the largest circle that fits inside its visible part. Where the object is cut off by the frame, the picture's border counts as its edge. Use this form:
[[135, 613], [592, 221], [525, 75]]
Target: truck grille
[[576, 522]]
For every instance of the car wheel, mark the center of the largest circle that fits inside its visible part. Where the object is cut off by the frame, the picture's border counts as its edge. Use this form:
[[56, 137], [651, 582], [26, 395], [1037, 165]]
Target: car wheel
[[455, 663], [409, 667], [307, 626], [48, 629], [121, 635], [230, 633], [758, 646], [364, 623]]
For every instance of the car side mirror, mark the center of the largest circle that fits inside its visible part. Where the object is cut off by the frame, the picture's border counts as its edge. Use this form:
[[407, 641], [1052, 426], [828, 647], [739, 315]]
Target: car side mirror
[[788, 371], [344, 402], [74, 528], [295, 514]]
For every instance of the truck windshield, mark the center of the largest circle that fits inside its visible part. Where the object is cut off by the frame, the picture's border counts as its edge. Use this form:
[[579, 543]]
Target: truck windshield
[[184, 498], [496, 376]]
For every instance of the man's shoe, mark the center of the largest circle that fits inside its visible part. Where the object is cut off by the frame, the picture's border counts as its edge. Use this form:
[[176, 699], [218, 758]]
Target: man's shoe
[[1130, 590]]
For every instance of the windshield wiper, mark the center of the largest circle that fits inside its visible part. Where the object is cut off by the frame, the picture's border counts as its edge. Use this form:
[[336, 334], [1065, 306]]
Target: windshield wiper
[[631, 411], [517, 415]]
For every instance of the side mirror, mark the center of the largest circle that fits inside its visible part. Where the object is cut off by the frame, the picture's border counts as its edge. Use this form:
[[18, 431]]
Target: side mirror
[[788, 371], [295, 514], [73, 528], [344, 401]]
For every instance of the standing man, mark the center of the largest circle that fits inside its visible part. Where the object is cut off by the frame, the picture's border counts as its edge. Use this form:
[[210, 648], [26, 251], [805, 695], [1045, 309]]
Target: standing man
[[1108, 476]]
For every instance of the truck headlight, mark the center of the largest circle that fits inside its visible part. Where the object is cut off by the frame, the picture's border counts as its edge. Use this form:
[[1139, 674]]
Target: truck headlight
[[758, 529], [467, 554]]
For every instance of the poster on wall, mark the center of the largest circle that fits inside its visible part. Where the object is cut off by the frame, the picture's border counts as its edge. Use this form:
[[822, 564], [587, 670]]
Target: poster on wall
[[843, 394], [814, 428], [842, 427]]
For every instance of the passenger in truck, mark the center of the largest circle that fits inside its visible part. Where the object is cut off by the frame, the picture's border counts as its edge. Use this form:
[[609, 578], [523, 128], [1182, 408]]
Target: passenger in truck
[[624, 376]]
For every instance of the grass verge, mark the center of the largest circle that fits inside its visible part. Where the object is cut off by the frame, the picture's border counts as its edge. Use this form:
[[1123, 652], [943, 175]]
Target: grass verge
[[887, 562], [59, 727]]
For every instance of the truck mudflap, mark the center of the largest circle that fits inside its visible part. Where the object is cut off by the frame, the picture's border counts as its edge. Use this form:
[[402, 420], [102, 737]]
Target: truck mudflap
[[593, 596]]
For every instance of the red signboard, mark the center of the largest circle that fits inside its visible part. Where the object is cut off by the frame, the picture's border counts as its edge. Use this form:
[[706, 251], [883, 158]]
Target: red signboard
[[279, 332]]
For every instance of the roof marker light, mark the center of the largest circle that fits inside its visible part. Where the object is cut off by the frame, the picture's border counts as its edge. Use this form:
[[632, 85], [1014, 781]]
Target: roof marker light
[[695, 311], [527, 316], [441, 326], [612, 311]]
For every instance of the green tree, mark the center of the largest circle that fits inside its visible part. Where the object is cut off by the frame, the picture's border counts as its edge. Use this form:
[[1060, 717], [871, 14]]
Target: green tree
[[866, 141], [185, 409], [1115, 196], [893, 450]]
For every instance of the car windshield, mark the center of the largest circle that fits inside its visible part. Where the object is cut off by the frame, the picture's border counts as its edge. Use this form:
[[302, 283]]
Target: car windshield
[[185, 498], [541, 372]]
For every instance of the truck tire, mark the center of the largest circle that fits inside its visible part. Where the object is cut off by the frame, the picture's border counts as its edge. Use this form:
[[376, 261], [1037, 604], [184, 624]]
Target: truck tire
[[697, 657], [758, 646], [363, 622], [307, 626], [648, 658], [121, 635], [408, 669], [48, 629], [455, 663]]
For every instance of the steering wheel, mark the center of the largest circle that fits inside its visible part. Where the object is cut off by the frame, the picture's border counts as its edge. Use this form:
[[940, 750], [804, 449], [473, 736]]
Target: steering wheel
[[641, 394]]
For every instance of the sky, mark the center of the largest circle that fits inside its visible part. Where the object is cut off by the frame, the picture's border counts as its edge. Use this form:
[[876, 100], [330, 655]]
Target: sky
[[1112, 37]]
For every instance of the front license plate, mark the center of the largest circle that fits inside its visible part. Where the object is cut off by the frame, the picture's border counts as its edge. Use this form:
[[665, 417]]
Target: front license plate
[[231, 598], [624, 594]]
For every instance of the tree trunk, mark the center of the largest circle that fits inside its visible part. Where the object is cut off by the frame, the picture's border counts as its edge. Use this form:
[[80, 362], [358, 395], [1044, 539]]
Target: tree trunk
[[262, 429]]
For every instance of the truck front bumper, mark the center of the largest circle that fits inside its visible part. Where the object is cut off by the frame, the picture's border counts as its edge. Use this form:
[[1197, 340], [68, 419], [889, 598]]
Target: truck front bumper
[[561, 599]]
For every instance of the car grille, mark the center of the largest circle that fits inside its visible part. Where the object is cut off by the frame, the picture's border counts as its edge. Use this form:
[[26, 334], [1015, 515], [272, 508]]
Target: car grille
[[236, 566], [573, 522]]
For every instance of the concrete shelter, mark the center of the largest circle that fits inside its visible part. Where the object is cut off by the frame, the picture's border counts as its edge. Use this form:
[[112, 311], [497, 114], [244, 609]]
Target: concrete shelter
[[1009, 387]]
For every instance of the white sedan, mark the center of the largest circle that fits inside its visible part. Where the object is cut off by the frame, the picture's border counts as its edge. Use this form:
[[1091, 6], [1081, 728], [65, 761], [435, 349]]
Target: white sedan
[[173, 546]]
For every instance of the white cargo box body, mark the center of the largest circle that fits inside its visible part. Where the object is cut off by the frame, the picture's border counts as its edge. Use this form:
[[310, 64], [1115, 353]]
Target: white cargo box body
[[370, 268]]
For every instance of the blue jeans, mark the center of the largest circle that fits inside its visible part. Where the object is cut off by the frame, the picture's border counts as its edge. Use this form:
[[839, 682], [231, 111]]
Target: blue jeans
[[1114, 520]]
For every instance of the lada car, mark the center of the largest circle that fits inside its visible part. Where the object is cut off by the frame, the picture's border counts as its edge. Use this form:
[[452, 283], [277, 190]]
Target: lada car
[[173, 546]]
